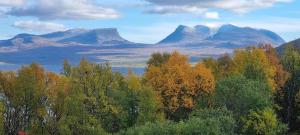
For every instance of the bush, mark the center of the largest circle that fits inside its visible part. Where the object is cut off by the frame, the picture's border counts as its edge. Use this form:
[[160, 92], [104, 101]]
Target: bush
[[205, 122]]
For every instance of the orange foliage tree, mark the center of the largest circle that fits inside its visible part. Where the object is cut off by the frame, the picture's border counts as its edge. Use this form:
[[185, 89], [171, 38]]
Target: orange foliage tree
[[180, 84]]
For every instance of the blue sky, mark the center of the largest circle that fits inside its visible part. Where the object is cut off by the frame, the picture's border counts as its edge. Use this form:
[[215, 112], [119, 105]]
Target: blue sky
[[147, 21]]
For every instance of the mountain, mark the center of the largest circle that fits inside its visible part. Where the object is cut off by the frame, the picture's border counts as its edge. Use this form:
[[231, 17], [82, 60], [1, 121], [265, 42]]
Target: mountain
[[102, 45], [245, 36], [228, 36], [294, 43], [97, 37], [185, 34]]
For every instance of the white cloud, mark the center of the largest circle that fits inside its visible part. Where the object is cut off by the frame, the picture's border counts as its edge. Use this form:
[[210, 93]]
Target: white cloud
[[212, 15], [175, 9], [64, 9], [39, 26], [239, 6], [9, 3]]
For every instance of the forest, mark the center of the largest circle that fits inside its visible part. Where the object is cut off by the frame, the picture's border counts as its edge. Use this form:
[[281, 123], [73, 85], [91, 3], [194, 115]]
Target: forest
[[254, 91]]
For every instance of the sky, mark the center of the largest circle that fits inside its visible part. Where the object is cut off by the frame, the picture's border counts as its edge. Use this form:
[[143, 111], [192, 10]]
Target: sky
[[147, 21]]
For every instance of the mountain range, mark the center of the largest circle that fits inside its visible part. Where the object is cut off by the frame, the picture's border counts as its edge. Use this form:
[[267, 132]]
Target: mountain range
[[100, 45], [104, 37], [228, 36]]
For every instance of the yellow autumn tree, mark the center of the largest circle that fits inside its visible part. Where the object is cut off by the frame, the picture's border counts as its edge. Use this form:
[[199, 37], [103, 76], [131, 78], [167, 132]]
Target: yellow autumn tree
[[179, 84], [253, 62], [56, 92]]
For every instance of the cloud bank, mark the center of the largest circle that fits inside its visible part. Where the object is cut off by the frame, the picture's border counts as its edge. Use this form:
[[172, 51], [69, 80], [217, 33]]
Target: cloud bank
[[64, 9], [5, 3], [238, 6], [39, 26]]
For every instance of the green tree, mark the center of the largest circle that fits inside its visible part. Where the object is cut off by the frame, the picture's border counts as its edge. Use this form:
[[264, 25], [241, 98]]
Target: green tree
[[219, 122], [90, 84], [2, 120], [150, 106], [240, 95], [263, 122], [291, 63], [139, 102], [221, 67], [157, 59], [66, 71]]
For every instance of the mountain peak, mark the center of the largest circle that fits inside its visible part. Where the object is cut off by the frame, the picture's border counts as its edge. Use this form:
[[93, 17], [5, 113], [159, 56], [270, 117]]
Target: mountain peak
[[246, 36], [228, 27], [187, 34], [183, 28], [202, 28]]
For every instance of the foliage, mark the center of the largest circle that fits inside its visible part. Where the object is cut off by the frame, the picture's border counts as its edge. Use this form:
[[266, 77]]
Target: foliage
[[263, 122], [223, 115], [157, 59], [179, 84], [240, 95], [291, 63], [66, 71], [198, 124], [254, 64], [139, 102], [150, 107], [90, 84], [221, 67], [234, 94], [57, 89]]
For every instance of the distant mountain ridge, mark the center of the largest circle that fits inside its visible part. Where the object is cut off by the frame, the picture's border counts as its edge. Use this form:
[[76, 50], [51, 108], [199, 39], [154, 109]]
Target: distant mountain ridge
[[100, 37], [106, 45], [294, 43], [228, 36]]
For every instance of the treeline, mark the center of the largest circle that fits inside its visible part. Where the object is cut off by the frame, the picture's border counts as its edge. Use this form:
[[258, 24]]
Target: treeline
[[254, 91]]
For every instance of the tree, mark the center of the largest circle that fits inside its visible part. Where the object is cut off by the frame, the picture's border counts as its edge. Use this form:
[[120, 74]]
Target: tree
[[157, 59], [179, 84], [253, 63], [222, 115], [66, 71], [150, 107], [298, 105], [291, 63], [2, 120], [222, 67], [90, 84], [263, 122], [11, 123], [23, 98], [29, 96], [139, 102], [240, 95], [281, 75], [56, 92], [206, 122]]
